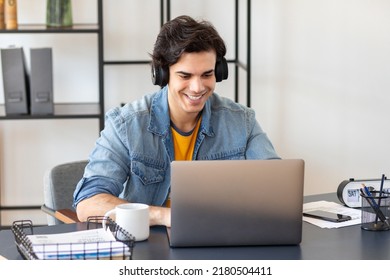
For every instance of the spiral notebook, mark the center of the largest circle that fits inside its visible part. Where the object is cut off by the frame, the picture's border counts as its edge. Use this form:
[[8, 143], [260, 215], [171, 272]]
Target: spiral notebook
[[236, 202]]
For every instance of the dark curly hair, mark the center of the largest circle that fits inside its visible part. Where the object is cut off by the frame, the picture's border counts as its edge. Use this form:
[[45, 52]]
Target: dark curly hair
[[184, 34]]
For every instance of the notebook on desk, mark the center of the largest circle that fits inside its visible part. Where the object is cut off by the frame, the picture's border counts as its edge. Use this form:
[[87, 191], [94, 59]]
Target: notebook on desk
[[236, 202]]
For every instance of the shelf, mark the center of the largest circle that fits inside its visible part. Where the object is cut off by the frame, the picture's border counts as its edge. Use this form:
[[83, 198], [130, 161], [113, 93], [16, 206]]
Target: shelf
[[21, 207], [42, 28], [61, 111], [126, 62], [68, 110]]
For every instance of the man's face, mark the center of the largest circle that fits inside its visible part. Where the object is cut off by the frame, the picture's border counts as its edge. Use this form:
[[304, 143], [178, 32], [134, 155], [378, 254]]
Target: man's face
[[191, 82]]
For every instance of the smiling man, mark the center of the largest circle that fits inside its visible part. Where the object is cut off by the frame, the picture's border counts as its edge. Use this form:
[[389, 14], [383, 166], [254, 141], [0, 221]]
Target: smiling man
[[184, 120]]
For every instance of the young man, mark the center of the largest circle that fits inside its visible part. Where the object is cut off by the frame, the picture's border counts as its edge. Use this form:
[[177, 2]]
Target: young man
[[185, 120]]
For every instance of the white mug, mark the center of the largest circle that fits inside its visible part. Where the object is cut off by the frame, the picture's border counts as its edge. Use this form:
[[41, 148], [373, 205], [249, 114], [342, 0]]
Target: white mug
[[132, 217]]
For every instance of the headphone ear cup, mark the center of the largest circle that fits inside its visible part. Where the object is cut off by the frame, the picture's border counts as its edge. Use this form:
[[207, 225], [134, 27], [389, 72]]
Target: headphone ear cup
[[160, 77], [154, 75], [221, 70]]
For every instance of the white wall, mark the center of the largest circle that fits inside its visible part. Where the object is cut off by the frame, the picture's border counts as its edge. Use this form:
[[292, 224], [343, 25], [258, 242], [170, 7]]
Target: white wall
[[321, 83], [320, 77]]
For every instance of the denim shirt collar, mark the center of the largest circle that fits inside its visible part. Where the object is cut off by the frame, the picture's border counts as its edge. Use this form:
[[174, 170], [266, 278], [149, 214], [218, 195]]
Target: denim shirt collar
[[159, 115]]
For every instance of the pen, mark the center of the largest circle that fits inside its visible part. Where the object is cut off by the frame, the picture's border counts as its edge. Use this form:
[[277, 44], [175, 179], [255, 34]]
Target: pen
[[369, 195], [380, 194]]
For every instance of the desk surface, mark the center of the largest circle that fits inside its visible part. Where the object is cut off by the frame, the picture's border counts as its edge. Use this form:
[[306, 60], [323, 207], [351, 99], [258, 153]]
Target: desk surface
[[350, 243]]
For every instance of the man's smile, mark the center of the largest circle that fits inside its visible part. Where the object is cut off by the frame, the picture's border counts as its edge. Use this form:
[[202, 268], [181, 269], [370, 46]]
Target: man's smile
[[194, 97]]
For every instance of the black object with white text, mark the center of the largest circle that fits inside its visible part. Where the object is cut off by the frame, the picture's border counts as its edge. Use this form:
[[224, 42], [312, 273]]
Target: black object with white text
[[327, 216], [348, 191]]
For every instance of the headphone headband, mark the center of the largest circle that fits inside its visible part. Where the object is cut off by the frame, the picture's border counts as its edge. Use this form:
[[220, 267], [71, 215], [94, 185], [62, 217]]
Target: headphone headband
[[160, 76]]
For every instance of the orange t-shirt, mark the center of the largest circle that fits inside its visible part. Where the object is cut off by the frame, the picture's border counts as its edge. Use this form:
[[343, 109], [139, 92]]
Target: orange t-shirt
[[184, 143]]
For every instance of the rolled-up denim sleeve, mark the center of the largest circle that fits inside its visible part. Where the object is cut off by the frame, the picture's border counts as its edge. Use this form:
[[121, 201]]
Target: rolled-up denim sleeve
[[88, 187]]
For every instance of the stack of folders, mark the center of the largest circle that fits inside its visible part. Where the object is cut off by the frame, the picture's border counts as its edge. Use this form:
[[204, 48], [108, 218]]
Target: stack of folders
[[98, 243], [23, 93]]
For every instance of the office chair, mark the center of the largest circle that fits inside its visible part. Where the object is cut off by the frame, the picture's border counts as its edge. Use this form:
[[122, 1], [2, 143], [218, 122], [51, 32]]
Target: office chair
[[59, 184]]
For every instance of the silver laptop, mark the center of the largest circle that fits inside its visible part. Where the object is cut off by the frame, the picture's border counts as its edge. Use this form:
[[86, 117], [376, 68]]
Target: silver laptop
[[236, 202]]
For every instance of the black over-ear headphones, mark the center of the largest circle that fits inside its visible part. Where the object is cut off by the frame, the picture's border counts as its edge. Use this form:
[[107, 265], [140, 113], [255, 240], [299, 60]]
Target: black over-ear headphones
[[160, 76]]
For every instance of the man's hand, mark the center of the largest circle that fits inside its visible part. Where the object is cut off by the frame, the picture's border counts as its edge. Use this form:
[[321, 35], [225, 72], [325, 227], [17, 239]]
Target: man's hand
[[159, 216]]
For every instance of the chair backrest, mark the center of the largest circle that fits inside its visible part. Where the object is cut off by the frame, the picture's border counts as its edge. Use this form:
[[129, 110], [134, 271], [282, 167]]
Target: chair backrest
[[59, 185]]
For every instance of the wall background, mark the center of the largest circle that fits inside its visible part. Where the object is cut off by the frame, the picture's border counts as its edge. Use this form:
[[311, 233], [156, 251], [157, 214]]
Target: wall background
[[320, 85], [321, 81]]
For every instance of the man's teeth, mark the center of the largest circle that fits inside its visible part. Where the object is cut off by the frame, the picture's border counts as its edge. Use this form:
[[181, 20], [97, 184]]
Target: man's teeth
[[195, 97]]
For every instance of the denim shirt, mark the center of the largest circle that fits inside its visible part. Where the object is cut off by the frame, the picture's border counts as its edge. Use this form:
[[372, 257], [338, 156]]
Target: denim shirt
[[132, 157]]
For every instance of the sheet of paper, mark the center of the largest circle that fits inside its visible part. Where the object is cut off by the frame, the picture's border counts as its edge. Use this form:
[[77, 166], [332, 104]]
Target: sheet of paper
[[335, 208], [91, 235], [87, 244]]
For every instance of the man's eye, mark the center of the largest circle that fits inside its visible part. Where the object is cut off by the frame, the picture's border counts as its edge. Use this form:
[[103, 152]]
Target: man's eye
[[185, 77], [208, 74]]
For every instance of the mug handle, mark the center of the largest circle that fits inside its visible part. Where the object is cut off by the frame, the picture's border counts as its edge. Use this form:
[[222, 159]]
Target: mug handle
[[106, 216]]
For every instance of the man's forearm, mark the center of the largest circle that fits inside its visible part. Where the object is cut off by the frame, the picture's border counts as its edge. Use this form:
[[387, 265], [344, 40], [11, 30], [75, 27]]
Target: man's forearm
[[97, 205], [100, 204]]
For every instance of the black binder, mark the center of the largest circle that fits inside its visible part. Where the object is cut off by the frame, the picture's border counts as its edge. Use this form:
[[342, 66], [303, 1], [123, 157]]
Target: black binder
[[41, 81], [16, 85]]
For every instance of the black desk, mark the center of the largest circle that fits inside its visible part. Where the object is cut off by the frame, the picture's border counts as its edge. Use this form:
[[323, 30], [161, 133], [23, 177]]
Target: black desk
[[348, 243]]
